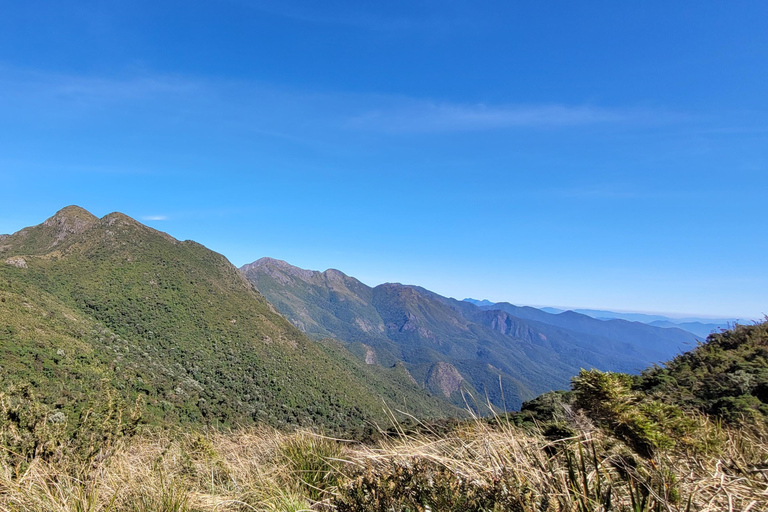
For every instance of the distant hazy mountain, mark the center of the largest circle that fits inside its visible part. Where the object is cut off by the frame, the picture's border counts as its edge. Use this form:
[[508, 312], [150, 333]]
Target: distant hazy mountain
[[449, 345], [652, 339], [484, 302], [700, 326], [647, 318], [109, 309]]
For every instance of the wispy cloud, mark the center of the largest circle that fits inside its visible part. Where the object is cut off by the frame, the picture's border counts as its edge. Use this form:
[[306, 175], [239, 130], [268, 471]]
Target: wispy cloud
[[272, 111], [154, 217], [68, 87], [418, 116]]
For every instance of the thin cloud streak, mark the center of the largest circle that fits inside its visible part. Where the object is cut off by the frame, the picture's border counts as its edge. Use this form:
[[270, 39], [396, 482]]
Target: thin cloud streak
[[155, 217], [83, 88], [446, 117], [298, 115]]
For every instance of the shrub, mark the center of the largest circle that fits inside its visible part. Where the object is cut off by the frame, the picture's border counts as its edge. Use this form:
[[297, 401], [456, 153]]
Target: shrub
[[419, 485], [644, 423]]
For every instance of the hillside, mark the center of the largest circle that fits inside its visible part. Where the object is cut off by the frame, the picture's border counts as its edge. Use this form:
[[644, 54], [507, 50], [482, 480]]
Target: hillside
[[726, 377], [673, 404], [96, 308], [450, 346], [624, 443]]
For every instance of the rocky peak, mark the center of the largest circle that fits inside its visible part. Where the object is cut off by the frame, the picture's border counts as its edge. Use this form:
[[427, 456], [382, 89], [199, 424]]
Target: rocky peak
[[278, 269], [334, 275], [70, 220], [119, 219]]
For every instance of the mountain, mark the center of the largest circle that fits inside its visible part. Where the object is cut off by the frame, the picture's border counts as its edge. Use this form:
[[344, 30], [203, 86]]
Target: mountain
[[699, 326], [656, 342], [111, 309], [645, 318], [608, 315], [453, 347], [484, 302]]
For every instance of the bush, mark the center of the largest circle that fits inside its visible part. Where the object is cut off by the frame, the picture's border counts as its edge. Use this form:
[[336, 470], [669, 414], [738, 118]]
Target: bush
[[643, 423], [28, 428], [418, 485]]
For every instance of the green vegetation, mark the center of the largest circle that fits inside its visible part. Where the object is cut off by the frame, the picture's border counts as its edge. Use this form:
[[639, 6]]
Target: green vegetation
[[136, 368], [726, 377], [479, 466], [100, 311], [605, 445], [680, 406]]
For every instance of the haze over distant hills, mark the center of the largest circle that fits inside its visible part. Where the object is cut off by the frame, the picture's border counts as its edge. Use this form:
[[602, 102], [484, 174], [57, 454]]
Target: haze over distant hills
[[701, 326], [449, 346]]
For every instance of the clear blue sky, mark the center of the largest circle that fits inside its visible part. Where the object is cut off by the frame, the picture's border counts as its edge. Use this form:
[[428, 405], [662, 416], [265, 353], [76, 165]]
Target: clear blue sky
[[594, 154]]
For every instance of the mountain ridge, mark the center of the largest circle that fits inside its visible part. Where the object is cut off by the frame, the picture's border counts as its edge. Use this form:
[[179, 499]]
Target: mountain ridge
[[176, 324], [411, 324], [700, 326]]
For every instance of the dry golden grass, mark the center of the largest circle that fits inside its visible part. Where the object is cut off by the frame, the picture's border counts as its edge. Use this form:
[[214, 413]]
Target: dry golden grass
[[263, 469]]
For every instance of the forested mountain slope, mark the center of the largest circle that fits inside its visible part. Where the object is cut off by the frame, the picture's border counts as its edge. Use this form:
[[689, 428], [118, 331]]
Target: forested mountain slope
[[452, 346], [94, 308]]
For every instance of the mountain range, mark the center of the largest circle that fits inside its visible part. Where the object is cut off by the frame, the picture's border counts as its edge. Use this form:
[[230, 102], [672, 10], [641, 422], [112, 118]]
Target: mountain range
[[701, 326], [98, 310], [105, 310], [501, 353]]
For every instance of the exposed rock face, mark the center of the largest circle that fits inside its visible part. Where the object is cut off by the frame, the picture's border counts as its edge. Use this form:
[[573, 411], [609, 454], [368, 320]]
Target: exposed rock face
[[513, 327], [444, 377], [410, 323], [18, 261], [370, 355], [367, 326]]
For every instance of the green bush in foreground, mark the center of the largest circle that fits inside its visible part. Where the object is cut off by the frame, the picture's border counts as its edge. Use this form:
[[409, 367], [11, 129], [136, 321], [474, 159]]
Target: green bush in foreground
[[643, 423], [418, 485], [30, 429]]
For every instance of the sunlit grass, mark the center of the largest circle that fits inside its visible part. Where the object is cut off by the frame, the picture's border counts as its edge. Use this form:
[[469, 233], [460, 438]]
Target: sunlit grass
[[479, 466]]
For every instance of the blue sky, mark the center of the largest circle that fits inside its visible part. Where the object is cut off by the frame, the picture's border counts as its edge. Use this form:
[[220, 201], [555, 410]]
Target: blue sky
[[592, 154]]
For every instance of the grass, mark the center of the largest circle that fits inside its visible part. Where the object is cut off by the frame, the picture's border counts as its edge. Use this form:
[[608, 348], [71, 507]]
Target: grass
[[478, 466]]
